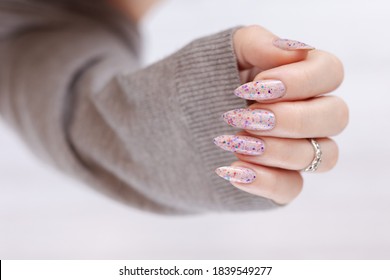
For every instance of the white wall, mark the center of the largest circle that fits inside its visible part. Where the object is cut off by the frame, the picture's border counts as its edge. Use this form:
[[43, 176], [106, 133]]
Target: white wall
[[341, 214]]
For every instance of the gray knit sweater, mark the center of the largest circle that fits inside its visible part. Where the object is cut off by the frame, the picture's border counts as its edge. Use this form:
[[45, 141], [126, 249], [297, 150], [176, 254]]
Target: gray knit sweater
[[70, 85]]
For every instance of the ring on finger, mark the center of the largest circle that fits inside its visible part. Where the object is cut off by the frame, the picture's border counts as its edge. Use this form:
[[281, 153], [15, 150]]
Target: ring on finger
[[317, 157]]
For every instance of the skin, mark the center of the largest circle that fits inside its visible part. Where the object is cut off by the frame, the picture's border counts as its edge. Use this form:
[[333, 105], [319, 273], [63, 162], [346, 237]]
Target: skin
[[303, 112], [135, 10]]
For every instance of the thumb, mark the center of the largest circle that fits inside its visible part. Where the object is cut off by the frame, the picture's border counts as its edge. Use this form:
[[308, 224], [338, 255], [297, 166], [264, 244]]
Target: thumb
[[255, 46]]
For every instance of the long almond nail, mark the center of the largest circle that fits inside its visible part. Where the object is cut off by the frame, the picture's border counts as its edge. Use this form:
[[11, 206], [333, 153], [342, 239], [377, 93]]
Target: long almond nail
[[250, 119], [261, 90], [240, 144], [291, 45], [236, 174]]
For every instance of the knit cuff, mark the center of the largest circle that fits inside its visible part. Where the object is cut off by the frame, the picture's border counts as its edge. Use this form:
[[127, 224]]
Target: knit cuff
[[206, 76]]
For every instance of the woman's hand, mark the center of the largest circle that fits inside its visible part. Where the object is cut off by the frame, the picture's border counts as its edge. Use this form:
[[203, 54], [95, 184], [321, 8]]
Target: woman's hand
[[289, 80]]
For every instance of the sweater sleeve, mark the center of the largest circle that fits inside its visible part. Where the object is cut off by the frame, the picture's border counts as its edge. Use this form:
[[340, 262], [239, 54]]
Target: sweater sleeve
[[72, 90]]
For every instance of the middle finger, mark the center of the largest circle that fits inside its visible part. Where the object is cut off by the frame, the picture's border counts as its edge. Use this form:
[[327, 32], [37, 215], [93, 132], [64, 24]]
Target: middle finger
[[318, 117]]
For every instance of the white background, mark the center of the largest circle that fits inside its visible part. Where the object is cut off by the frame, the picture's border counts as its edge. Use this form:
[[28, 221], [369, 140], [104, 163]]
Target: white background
[[281, 269], [341, 214]]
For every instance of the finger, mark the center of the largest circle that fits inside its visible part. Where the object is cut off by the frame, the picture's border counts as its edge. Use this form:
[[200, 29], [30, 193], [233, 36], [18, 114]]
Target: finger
[[254, 47], [319, 73], [318, 117], [279, 185], [292, 154]]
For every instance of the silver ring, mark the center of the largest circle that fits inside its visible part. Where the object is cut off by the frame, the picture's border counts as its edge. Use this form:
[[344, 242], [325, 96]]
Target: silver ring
[[317, 157]]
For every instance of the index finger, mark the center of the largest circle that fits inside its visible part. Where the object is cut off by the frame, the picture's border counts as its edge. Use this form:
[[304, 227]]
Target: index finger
[[319, 73]]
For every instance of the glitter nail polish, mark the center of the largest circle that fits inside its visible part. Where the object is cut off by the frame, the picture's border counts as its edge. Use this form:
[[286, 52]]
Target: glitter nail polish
[[240, 144], [236, 174], [250, 119], [261, 90], [291, 45]]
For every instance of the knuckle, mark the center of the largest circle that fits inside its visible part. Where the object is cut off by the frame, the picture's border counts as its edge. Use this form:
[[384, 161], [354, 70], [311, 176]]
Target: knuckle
[[249, 32], [336, 66], [338, 69], [254, 28], [285, 195], [330, 154], [272, 190], [299, 186], [244, 42], [342, 114], [334, 154]]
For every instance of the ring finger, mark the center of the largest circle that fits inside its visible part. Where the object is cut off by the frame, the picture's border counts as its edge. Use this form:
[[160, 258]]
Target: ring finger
[[292, 154]]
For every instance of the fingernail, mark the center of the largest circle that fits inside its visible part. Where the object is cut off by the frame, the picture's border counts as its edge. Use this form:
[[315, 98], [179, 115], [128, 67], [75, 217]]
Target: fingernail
[[236, 174], [240, 144], [261, 90], [251, 119], [291, 45]]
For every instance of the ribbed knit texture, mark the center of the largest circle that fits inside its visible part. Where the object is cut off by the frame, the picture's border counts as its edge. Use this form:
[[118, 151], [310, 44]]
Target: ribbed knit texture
[[69, 85], [206, 77]]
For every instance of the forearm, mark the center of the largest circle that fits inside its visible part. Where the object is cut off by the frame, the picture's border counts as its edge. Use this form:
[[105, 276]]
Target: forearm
[[144, 137]]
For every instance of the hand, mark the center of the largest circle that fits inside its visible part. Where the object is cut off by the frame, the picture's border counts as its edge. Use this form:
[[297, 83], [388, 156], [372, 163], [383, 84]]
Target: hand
[[290, 108]]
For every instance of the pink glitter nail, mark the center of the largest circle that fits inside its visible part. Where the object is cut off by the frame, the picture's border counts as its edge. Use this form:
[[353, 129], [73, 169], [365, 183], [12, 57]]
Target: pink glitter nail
[[261, 90], [250, 119], [236, 174], [291, 45], [240, 144]]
